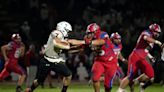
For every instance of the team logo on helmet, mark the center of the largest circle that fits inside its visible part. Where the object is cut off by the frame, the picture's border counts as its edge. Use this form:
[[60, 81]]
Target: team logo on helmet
[[92, 28], [155, 28], [15, 36]]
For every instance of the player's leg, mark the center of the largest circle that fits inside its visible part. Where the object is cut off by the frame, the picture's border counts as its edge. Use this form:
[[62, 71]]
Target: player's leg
[[119, 73], [22, 75], [97, 71], [43, 70], [31, 73], [131, 85], [110, 73], [132, 68], [49, 78], [63, 70], [4, 74], [162, 68], [142, 78], [149, 74]]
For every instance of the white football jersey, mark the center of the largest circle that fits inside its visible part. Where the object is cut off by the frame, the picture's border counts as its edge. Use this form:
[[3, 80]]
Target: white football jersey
[[162, 54], [52, 53]]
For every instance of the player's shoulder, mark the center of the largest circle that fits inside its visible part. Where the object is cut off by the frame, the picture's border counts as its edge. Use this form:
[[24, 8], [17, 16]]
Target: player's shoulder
[[146, 32], [104, 34], [11, 43], [56, 33]]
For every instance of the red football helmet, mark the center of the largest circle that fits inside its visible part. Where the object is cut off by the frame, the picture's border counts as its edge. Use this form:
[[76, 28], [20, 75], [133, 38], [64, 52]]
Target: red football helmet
[[15, 36], [93, 27], [155, 28], [115, 36]]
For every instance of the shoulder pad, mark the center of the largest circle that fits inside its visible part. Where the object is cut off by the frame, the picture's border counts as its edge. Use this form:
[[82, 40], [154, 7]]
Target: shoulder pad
[[146, 33], [57, 34]]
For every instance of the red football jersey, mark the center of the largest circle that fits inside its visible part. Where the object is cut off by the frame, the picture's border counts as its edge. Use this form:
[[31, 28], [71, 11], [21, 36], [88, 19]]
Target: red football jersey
[[14, 52], [142, 44], [106, 52]]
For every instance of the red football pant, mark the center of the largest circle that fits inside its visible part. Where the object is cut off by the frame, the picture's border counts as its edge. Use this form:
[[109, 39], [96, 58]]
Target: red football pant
[[107, 68], [11, 67], [136, 62]]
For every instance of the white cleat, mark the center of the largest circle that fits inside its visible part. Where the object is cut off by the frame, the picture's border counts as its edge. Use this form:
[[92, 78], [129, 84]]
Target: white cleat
[[141, 87], [121, 90]]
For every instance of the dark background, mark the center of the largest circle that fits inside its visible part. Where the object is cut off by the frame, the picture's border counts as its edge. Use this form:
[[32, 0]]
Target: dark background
[[127, 17]]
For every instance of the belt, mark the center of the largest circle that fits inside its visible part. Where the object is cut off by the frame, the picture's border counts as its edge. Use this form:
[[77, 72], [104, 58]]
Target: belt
[[54, 60], [50, 57]]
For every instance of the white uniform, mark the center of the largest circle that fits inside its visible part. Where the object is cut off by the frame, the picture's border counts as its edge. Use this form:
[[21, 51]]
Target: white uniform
[[52, 53], [162, 55]]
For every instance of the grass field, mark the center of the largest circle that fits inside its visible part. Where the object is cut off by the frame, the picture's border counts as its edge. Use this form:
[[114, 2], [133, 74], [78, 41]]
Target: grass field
[[76, 87]]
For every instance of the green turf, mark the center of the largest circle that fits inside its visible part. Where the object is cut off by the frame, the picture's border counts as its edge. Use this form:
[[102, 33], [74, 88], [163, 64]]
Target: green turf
[[7, 87]]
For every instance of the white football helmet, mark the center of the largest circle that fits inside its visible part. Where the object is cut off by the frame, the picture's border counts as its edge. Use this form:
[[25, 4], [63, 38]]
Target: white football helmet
[[64, 27]]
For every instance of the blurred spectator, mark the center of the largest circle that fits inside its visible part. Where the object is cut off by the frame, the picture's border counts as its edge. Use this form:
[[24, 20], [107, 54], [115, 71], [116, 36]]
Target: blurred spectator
[[44, 12], [31, 64], [82, 72], [72, 64], [34, 3], [25, 30]]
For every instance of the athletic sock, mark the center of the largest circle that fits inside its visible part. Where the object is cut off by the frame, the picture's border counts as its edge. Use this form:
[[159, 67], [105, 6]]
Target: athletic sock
[[33, 86], [148, 83], [64, 89]]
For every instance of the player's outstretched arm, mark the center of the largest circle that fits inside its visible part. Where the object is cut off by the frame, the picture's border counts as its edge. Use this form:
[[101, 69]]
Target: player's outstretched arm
[[149, 39], [162, 46], [63, 44], [120, 57], [76, 42], [98, 42]]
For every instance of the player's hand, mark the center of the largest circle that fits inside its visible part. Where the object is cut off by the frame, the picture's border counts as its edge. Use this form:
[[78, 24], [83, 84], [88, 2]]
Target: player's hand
[[125, 61], [153, 59], [88, 39]]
